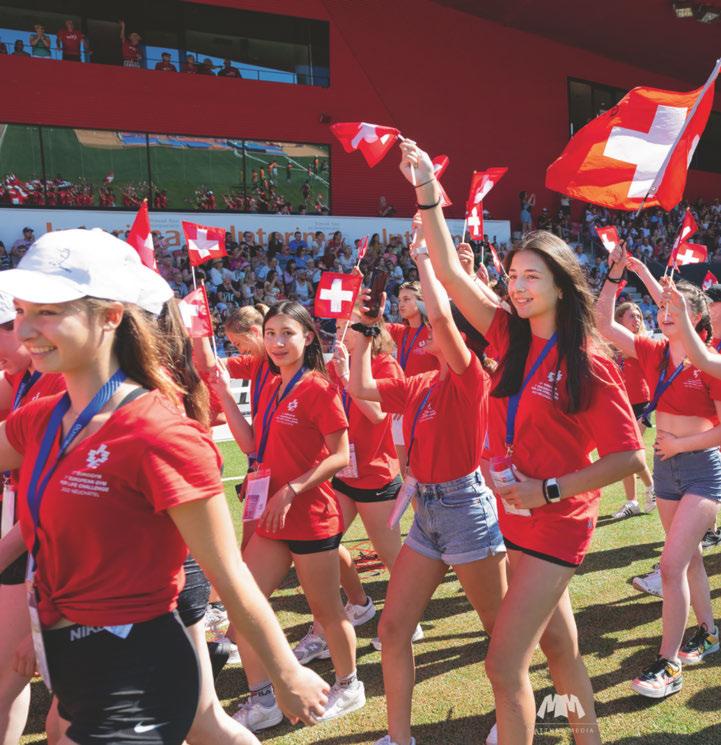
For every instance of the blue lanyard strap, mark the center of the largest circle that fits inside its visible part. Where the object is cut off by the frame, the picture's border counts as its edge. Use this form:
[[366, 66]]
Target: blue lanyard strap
[[346, 402], [27, 382], [515, 399], [258, 387], [718, 347], [270, 410], [420, 408], [37, 485], [406, 353], [663, 384]]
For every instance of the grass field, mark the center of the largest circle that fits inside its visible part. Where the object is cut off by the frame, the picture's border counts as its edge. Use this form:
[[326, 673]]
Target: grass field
[[619, 631], [177, 170]]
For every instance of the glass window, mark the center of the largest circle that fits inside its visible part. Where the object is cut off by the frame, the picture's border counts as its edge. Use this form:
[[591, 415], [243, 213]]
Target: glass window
[[587, 100], [708, 153], [95, 168], [21, 167], [18, 23]]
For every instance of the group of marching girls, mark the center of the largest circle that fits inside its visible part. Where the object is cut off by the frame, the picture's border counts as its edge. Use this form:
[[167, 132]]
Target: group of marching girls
[[116, 529]]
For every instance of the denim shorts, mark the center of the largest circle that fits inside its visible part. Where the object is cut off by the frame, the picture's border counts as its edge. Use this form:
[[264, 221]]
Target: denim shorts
[[697, 472], [456, 521]]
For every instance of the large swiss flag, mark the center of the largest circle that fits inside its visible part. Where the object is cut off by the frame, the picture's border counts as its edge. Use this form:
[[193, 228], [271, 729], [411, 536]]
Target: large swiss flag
[[140, 237]]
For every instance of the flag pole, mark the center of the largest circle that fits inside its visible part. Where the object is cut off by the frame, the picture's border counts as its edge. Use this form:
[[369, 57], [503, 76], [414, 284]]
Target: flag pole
[[659, 176], [210, 317], [465, 226], [192, 271]]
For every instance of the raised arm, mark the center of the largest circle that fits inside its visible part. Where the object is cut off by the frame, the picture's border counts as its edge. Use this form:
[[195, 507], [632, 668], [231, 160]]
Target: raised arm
[[416, 166], [371, 410], [655, 290], [219, 380], [612, 331]]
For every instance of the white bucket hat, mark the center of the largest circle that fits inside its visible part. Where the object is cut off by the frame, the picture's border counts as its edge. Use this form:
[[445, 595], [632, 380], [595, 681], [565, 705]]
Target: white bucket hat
[[7, 308], [67, 265]]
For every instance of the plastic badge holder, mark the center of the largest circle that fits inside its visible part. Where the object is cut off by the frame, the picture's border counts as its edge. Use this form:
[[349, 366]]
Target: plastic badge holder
[[7, 521], [351, 470], [403, 499], [257, 485], [502, 474]]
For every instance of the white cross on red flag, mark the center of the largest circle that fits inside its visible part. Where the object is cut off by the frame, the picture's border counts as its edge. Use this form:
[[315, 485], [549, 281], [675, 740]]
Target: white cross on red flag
[[609, 237], [497, 261], [140, 237], [373, 141], [440, 163], [687, 229], [195, 312], [481, 184], [708, 281], [204, 242], [638, 152], [336, 295], [691, 253], [363, 246]]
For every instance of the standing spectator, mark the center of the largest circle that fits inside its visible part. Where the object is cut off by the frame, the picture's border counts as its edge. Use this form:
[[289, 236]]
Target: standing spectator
[[189, 65], [40, 42], [206, 67], [132, 54], [3, 48], [165, 64], [71, 41], [21, 245], [228, 71], [19, 49], [288, 169], [385, 208], [528, 202]]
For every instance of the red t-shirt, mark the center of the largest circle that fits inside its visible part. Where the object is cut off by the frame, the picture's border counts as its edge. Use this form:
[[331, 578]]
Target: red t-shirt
[[692, 393], [296, 444], [70, 41], [131, 52], [450, 429], [255, 369], [412, 353], [109, 553], [375, 452], [550, 443], [634, 380]]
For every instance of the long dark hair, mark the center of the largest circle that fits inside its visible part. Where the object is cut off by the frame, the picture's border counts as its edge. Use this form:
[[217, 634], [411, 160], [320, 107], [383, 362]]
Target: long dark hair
[[574, 323], [313, 355]]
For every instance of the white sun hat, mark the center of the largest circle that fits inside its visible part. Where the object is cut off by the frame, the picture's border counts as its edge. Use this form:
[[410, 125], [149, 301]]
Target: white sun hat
[[66, 265], [7, 308]]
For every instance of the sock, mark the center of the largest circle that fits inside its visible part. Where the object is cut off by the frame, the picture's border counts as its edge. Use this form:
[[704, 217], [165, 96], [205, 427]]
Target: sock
[[263, 694], [348, 682]]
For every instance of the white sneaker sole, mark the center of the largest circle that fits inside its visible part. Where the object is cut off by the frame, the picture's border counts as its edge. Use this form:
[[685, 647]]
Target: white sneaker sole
[[698, 660], [273, 721], [358, 704], [324, 655], [641, 588], [657, 692], [369, 614]]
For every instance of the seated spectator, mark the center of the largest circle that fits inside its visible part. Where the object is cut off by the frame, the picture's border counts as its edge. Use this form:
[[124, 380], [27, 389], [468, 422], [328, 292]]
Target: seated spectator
[[189, 65], [40, 42], [3, 48], [303, 289], [297, 242], [215, 274], [346, 260], [583, 260], [206, 67], [271, 288], [21, 245], [289, 275], [5, 262], [131, 52], [385, 209], [19, 49], [228, 71], [71, 41], [165, 64]]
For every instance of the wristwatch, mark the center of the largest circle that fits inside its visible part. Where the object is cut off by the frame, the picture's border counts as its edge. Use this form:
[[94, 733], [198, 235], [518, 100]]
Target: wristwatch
[[551, 492]]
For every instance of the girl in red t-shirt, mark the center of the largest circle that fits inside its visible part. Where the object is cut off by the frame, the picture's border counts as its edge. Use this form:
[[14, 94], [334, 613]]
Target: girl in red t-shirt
[[455, 519], [112, 458], [630, 316], [300, 440], [557, 397], [686, 471]]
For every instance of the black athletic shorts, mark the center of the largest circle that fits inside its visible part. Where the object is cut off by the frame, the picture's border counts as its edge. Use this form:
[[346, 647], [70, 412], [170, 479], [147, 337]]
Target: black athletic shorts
[[193, 599], [141, 690], [14, 574], [315, 547], [385, 493]]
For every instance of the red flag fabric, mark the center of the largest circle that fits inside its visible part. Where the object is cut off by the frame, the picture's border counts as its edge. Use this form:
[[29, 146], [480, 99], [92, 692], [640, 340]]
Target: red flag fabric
[[204, 242], [475, 222], [620, 287], [708, 281], [691, 253], [481, 184], [637, 148], [140, 237], [609, 237], [372, 140], [195, 312], [363, 246], [336, 295], [687, 229], [497, 260], [440, 163]]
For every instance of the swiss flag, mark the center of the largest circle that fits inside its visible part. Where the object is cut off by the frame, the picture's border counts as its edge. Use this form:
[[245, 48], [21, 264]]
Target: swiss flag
[[440, 163], [691, 253], [363, 246], [336, 295], [372, 140], [687, 229], [195, 312], [639, 149], [708, 281], [609, 237], [497, 261], [140, 237], [204, 243], [481, 184]]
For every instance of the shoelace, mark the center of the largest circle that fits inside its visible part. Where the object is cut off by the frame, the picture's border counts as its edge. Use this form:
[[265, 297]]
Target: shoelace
[[657, 667], [698, 640]]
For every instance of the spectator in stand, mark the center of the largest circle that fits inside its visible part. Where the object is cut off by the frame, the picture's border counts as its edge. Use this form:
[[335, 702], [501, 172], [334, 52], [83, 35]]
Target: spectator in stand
[[528, 202], [5, 262], [131, 52], [21, 245], [346, 259], [385, 209], [289, 275], [228, 71], [297, 242], [582, 257], [71, 42], [40, 42], [271, 287], [19, 49], [3, 48], [206, 67], [165, 64], [303, 289], [189, 65]]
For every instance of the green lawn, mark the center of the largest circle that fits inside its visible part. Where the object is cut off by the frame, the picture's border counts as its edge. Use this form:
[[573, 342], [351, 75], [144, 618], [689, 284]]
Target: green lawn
[[619, 630]]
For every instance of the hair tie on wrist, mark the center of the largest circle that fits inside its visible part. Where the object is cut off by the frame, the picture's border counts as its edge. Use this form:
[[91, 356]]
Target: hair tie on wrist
[[429, 206], [430, 180]]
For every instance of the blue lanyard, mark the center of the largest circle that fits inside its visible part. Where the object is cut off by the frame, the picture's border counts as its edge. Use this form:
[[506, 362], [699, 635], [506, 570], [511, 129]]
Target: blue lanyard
[[420, 408], [515, 399], [718, 347], [406, 353], [663, 384], [270, 411], [346, 402], [37, 486], [26, 384], [258, 386]]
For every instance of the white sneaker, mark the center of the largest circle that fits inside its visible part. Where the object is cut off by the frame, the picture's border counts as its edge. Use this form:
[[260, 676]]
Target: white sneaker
[[386, 740], [311, 647], [650, 503], [343, 700], [256, 717], [628, 510], [492, 738], [360, 614], [234, 656], [216, 617], [650, 583], [417, 636]]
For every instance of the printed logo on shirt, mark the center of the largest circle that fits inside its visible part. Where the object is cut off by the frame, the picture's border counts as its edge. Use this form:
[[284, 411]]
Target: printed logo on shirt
[[427, 414], [546, 389], [555, 376], [293, 405], [98, 457], [694, 382]]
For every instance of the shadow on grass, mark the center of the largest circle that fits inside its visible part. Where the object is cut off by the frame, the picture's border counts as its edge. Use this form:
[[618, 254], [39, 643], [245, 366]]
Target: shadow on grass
[[615, 558]]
